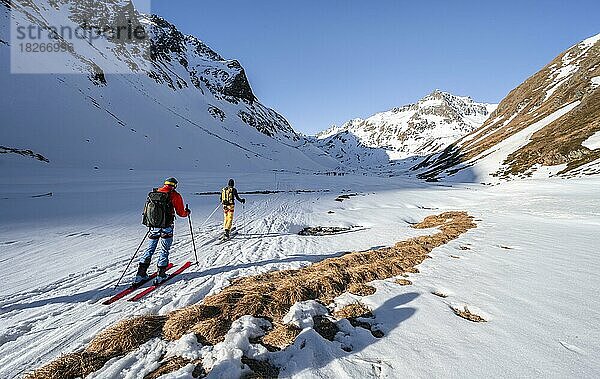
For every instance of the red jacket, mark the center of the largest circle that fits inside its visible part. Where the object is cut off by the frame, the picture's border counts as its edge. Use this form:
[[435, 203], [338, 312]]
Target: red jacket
[[176, 200]]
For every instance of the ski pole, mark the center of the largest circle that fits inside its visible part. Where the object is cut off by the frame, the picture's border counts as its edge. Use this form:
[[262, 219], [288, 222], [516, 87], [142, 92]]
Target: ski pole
[[243, 217], [192, 233], [208, 218], [131, 260]]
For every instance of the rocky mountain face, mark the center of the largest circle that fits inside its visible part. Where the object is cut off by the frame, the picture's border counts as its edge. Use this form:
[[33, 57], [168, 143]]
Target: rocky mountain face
[[167, 100], [418, 129], [225, 79], [168, 54], [542, 126]]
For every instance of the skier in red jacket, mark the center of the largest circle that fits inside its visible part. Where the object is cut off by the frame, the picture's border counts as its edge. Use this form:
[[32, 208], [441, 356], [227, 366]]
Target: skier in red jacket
[[165, 235]]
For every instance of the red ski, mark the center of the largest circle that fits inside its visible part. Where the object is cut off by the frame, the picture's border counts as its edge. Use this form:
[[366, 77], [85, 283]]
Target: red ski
[[181, 269], [132, 288]]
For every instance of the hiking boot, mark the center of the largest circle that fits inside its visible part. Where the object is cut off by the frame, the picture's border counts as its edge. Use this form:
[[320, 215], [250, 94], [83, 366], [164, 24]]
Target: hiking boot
[[225, 236], [139, 279], [227, 233], [142, 273], [161, 276]]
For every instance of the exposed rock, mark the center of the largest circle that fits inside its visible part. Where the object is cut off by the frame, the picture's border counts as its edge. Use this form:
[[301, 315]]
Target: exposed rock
[[25, 153], [216, 112]]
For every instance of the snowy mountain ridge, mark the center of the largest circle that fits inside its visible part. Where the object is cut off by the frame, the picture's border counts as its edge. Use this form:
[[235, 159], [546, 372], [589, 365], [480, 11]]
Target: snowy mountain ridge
[[171, 103], [418, 129]]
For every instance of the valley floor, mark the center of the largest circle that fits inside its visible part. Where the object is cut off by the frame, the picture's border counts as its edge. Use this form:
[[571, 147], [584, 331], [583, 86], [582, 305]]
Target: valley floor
[[530, 268]]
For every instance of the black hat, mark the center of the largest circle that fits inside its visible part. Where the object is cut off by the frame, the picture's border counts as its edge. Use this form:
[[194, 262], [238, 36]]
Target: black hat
[[231, 183]]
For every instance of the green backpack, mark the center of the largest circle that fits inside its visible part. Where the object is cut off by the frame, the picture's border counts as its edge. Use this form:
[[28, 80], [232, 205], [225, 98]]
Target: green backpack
[[158, 211]]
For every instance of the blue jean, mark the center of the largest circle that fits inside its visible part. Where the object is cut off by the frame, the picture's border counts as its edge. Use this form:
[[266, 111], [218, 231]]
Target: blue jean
[[165, 235]]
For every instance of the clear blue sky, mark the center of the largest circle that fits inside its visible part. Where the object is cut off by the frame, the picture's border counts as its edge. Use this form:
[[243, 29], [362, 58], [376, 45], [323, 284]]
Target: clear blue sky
[[320, 62]]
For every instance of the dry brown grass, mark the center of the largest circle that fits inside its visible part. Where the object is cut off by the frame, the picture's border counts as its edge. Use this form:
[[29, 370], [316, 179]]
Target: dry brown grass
[[358, 315], [361, 289], [117, 340], [212, 331], [260, 369], [403, 282], [126, 335], [354, 310], [281, 336], [271, 295], [71, 366], [181, 321], [467, 314], [175, 363]]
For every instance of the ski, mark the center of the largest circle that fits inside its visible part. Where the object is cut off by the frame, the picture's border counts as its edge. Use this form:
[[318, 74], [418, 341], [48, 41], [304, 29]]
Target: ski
[[181, 269], [224, 239], [132, 288]]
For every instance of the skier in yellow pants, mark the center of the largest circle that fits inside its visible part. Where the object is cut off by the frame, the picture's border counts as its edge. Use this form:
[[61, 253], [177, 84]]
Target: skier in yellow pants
[[228, 196]]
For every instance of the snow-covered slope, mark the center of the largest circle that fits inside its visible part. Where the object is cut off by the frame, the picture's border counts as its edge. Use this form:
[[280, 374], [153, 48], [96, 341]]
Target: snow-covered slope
[[543, 127], [177, 105], [347, 148], [419, 129], [530, 269]]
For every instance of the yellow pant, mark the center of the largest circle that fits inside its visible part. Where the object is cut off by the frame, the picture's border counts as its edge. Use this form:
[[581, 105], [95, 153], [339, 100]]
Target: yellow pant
[[228, 216]]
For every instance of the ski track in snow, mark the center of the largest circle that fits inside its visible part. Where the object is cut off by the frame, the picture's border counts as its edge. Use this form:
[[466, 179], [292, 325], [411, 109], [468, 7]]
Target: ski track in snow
[[511, 270]]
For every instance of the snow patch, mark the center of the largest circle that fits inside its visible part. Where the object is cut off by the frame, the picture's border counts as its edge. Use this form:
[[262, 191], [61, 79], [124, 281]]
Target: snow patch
[[561, 76], [592, 142], [301, 314], [540, 172], [186, 347], [569, 64], [225, 359], [589, 42], [136, 364]]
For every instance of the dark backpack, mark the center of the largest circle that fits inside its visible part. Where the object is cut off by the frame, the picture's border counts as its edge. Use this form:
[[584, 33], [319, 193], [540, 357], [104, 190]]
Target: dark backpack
[[158, 211], [227, 196]]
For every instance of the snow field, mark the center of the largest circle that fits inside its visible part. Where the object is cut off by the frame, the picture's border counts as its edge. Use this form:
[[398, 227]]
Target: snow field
[[528, 269]]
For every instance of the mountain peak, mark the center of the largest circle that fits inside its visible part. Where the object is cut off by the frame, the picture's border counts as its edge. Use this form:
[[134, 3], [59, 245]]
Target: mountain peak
[[418, 129], [437, 93], [589, 42]]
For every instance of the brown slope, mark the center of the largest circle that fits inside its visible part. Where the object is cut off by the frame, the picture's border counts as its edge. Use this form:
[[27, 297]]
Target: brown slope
[[557, 143]]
